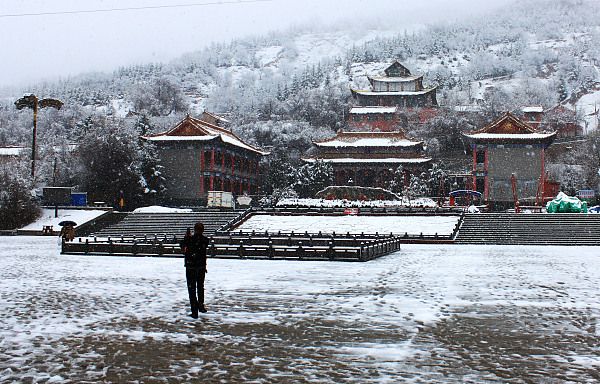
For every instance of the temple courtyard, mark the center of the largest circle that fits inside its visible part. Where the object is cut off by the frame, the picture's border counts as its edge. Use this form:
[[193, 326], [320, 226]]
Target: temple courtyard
[[426, 314]]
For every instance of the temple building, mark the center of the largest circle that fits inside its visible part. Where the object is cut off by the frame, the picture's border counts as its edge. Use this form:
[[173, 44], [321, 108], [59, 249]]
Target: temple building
[[398, 87], [198, 157], [508, 147], [369, 159], [374, 118], [557, 118]]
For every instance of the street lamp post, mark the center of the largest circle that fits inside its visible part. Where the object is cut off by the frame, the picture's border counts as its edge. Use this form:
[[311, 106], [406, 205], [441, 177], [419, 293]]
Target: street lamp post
[[31, 101]]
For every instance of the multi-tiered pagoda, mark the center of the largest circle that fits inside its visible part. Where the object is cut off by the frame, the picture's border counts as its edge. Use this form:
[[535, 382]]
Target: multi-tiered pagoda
[[397, 88]]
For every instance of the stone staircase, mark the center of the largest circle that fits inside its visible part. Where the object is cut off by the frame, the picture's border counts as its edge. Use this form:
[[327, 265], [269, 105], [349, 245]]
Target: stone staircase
[[167, 224], [530, 229]]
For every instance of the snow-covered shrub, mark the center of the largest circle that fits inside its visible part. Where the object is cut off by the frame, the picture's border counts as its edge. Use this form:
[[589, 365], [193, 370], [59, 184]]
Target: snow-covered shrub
[[278, 195], [17, 203], [313, 177]]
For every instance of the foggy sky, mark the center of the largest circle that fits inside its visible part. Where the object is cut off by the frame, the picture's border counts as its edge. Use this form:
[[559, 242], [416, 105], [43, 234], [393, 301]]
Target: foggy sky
[[51, 46]]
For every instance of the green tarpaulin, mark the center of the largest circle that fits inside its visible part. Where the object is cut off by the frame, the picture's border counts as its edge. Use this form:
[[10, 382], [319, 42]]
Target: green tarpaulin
[[563, 203]]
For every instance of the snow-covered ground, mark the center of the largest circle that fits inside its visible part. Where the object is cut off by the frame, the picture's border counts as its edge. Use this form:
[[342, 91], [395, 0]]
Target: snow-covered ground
[[160, 209], [428, 225], [435, 314], [79, 216], [403, 202]]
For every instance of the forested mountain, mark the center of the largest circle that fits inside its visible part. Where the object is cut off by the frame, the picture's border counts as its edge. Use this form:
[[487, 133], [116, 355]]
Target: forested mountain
[[286, 88]]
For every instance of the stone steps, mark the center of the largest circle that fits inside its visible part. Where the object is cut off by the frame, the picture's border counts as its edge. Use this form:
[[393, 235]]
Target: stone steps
[[530, 229], [166, 224]]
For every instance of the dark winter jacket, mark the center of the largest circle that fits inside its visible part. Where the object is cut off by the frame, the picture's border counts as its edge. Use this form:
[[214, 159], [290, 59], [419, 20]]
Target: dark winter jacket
[[194, 249]]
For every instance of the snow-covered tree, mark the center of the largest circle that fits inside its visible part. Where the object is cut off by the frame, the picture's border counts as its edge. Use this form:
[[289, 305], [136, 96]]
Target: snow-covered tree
[[18, 206], [313, 177], [396, 183], [109, 168]]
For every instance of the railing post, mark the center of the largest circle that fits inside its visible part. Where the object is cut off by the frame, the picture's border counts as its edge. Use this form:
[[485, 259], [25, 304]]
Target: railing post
[[271, 252], [241, 249], [300, 251], [330, 251], [212, 248], [110, 246], [361, 255]]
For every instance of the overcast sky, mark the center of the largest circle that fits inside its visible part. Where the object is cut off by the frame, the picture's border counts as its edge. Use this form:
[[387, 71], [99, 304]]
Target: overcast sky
[[54, 45]]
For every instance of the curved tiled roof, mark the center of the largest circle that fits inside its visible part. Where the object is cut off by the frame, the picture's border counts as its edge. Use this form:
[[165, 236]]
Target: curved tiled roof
[[510, 128], [192, 129], [368, 139]]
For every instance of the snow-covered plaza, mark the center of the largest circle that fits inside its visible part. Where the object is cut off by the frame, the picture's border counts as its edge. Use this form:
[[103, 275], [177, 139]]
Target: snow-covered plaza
[[428, 313]]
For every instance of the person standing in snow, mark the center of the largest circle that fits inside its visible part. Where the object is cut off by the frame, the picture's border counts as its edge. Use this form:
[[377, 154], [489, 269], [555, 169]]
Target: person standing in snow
[[67, 233], [194, 249]]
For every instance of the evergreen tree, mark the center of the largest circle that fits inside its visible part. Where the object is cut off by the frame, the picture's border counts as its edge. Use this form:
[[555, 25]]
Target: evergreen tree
[[313, 177], [108, 171], [151, 180], [396, 183], [17, 204]]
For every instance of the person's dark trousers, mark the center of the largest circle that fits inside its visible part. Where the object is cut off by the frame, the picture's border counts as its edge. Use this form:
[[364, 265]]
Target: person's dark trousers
[[195, 282]]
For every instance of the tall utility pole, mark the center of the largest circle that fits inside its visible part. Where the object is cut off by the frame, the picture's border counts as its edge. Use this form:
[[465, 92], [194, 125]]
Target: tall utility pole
[[31, 101]]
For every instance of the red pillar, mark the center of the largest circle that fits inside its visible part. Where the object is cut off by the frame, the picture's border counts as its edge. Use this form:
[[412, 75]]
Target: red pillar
[[212, 170], [232, 164], [256, 179], [202, 171], [222, 171], [485, 182], [543, 175], [474, 187]]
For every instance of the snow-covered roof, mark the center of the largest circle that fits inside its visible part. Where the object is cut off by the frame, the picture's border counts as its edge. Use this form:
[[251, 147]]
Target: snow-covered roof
[[192, 129], [508, 128], [386, 79], [181, 138], [216, 117], [536, 108], [370, 142], [387, 160], [12, 151], [396, 93], [363, 110], [523, 136], [467, 108], [368, 139]]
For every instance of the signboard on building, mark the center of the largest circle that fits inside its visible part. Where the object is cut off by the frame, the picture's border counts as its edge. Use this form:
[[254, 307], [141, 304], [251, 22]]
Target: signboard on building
[[244, 200], [220, 199], [586, 194]]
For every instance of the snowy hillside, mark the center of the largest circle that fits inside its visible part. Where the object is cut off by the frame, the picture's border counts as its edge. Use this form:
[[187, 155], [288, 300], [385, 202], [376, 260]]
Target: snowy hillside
[[284, 89]]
